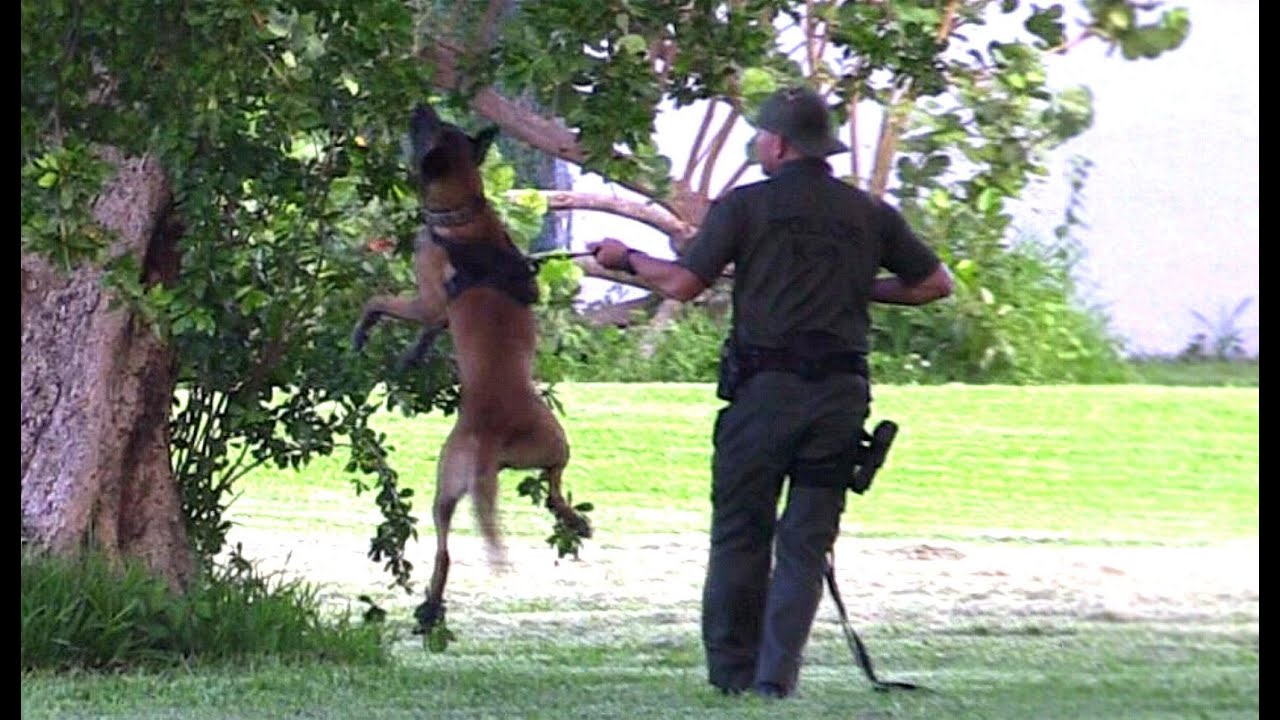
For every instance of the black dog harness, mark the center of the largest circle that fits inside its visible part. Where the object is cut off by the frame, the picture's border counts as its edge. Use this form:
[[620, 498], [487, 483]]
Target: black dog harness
[[503, 269]]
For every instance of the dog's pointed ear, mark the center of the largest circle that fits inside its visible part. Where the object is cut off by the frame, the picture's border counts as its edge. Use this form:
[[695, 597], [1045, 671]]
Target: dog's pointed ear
[[482, 141]]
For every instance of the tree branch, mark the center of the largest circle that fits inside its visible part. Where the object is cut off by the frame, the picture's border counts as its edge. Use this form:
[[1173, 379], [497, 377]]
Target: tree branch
[[517, 121], [733, 179], [717, 145], [887, 143], [948, 17], [895, 115], [854, 170], [1062, 48], [697, 141], [810, 29], [482, 36], [662, 56], [647, 213]]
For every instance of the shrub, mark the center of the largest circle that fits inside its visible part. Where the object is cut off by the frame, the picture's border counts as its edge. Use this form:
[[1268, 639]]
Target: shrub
[[85, 613]]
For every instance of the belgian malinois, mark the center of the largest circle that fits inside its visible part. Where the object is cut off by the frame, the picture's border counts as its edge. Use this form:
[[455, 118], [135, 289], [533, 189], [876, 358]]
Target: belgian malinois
[[473, 280]]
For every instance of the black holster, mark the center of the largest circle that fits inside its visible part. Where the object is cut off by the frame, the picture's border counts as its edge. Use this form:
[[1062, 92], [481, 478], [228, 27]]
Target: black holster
[[870, 455], [730, 371]]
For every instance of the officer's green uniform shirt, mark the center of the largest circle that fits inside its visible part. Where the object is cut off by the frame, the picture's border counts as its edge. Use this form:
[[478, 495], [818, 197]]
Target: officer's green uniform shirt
[[805, 248]]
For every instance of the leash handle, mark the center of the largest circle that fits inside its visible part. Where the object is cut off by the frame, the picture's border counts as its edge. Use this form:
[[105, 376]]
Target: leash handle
[[856, 646]]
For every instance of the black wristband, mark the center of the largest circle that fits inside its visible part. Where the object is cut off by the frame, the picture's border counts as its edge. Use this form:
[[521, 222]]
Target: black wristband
[[629, 268]]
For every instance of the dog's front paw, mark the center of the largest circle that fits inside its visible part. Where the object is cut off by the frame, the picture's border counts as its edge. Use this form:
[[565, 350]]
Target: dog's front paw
[[428, 615], [360, 335], [413, 357], [421, 349]]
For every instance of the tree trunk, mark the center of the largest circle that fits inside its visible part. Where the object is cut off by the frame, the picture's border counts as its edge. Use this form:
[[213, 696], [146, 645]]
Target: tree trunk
[[96, 390]]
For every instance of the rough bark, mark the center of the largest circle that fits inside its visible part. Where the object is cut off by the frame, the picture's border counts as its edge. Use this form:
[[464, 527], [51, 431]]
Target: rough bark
[[96, 389]]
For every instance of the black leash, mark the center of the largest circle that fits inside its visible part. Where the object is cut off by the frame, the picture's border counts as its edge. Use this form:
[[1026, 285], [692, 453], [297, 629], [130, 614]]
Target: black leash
[[856, 646], [540, 257]]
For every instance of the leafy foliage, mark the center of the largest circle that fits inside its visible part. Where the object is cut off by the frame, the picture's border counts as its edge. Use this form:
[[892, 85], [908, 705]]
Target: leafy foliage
[[85, 613], [605, 69], [565, 538], [279, 126]]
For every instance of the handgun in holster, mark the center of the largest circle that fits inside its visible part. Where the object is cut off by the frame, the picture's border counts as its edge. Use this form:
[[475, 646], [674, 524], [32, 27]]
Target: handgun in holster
[[873, 447]]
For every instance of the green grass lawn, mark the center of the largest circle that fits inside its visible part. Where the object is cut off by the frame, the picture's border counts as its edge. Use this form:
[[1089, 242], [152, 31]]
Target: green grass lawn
[[1078, 673], [1045, 466], [1088, 464]]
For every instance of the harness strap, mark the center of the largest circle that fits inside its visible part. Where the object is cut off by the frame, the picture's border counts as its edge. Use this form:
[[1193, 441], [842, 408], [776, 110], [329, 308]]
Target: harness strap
[[505, 269], [454, 218], [856, 646]]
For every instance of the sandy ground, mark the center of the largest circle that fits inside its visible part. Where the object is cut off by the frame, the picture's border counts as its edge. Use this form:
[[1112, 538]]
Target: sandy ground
[[925, 582]]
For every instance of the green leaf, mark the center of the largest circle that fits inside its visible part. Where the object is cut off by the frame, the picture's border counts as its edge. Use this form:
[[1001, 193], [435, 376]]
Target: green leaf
[[350, 84], [1046, 25], [915, 14], [633, 43], [939, 199], [757, 83], [1118, 17], [48, 180], [279, 25], [988, 200], [251, 299]]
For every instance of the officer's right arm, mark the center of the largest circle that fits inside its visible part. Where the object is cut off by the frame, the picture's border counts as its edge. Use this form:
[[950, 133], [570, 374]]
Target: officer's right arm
[[894, 291], [919, 275]]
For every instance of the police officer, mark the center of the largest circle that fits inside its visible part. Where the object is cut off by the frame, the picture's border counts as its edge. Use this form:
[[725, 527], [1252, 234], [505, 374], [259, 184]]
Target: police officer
[[806, 249]]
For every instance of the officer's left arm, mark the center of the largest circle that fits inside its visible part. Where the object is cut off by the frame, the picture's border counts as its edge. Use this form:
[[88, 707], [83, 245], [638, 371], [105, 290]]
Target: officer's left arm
[[709, 252], [674, 281], [670, 279]]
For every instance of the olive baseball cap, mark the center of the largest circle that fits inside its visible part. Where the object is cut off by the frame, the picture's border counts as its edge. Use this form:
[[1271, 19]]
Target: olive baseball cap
[[800, 116]]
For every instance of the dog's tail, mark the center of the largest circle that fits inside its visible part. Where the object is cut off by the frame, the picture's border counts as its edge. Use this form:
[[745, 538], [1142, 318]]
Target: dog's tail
[[484, 499]]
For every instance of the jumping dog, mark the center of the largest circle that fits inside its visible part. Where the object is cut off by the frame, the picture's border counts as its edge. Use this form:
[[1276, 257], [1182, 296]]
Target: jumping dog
[[472, 280]]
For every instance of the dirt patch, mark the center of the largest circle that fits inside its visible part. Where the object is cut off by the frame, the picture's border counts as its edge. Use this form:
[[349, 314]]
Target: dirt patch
[[920, 582]]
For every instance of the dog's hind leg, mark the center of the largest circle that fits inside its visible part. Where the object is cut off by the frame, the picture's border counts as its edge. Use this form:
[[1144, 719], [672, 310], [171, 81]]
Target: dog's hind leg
[[452, 482], [543, 446], [559, 507]]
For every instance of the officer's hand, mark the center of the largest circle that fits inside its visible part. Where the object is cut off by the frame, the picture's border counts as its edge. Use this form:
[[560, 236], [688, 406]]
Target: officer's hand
[[610, 253]]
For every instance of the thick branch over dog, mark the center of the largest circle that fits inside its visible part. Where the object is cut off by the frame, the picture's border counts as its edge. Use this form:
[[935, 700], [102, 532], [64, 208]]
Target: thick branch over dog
[[647, 213], [519, 122]]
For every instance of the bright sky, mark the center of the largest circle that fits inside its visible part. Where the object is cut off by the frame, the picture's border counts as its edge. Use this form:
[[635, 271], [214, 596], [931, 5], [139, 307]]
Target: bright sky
[[1172, 199]]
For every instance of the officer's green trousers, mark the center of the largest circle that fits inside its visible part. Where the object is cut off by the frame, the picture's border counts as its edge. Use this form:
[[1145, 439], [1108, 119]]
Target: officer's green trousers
[[764, 577]]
